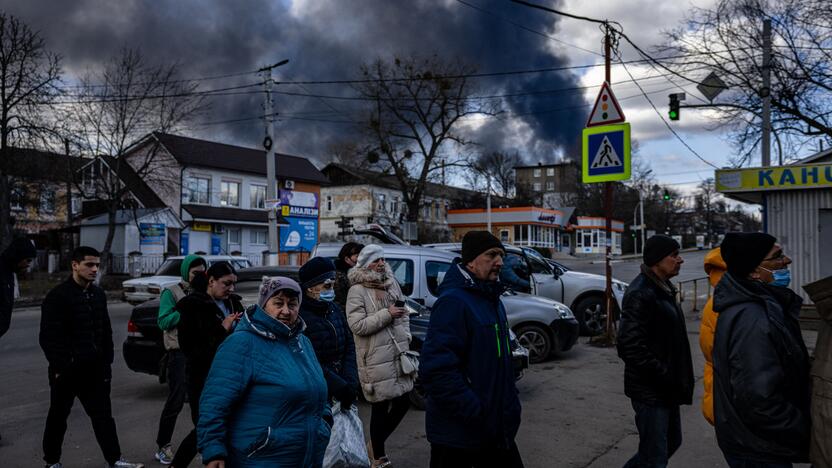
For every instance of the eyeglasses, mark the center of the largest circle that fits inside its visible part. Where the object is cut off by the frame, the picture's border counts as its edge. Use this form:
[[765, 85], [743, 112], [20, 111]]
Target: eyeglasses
[[779, 257]]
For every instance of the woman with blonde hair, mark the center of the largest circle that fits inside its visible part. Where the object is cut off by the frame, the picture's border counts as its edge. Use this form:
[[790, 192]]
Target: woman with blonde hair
[[378, 319]]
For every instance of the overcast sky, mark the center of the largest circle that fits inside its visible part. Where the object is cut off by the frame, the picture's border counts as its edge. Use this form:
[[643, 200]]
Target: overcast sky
[[330, 39]]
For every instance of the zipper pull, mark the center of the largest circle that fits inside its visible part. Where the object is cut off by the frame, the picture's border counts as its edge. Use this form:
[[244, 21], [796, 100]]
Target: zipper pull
[[497, 334]]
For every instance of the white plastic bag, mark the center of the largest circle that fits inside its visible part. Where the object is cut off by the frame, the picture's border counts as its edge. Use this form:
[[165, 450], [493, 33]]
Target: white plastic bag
[[346, 448]]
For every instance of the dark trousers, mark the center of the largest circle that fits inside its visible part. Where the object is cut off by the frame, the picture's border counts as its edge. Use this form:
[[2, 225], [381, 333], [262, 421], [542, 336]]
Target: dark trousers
[[93, 391], [188, 448], [486, 457], [384, 419], [739, 462], [176, 397], [659, 435]]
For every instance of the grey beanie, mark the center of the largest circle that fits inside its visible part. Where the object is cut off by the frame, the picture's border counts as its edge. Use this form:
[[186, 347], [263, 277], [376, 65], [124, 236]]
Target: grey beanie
[[271, 286], [369, 254]]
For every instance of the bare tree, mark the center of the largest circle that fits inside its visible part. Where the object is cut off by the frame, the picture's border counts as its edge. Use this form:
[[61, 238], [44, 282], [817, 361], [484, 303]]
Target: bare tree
[[121, 105], [705, 201], [727, 39], [416, 107], [497, 166], [29, 75]]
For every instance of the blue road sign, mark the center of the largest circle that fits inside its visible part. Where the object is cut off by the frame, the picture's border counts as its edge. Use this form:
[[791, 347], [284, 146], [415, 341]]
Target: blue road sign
[[606, 153]]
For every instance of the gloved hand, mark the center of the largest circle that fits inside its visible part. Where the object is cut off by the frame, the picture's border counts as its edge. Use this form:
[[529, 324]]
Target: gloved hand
[[346, 396]]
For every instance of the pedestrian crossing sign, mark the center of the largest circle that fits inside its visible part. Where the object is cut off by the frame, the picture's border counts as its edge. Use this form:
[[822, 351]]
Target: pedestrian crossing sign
[[606, 153]]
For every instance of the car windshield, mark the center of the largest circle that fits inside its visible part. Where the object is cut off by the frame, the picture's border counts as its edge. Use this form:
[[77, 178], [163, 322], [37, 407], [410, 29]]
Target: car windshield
[[170, 268]]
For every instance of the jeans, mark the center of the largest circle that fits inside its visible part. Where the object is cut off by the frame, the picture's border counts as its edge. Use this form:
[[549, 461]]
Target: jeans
[[92, 388], [659, 435], [487, 457], [739, 462], [176, 397]]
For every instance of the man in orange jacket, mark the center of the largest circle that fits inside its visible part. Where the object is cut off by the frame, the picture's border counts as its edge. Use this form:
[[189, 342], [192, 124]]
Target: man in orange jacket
[[715, 267]]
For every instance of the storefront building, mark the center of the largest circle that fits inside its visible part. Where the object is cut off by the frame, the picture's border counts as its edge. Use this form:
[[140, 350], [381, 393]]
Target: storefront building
[[590, 235], [522, 226]]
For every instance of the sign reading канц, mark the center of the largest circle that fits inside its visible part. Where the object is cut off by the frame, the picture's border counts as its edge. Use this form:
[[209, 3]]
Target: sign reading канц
[[774, 178]]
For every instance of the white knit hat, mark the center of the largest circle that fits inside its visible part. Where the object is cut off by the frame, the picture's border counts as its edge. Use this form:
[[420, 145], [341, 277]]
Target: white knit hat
[[369, 254]]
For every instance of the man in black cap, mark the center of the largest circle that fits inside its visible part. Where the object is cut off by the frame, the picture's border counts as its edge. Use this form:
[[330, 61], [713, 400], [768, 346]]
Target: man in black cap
[[473, 409], [653, 343], [761, 366]]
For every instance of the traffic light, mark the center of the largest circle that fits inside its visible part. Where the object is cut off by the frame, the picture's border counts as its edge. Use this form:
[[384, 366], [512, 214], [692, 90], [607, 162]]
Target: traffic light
[[674, 107], [666, 196]]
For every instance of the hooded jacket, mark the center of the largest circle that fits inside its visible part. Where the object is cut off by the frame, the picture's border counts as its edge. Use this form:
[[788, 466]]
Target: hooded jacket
[[18, 250], [168, 317], [265, 400], [465, 366], [331, 337], [375, 331], [761, 373], [714, 267], [653, 343]]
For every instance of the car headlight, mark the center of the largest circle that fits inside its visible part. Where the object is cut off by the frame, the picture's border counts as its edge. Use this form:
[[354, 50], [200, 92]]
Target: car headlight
[[563, 311], [153, 289]]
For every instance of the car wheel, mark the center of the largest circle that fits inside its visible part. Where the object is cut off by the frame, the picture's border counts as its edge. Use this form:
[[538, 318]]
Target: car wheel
[[591, 315], [536, 340]]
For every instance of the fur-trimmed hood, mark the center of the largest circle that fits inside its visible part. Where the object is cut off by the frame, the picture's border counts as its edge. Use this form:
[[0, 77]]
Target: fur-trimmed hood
[[371, 278]]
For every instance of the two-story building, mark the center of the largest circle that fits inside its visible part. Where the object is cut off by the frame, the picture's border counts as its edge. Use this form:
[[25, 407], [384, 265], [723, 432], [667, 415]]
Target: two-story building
[[372, 197], [219, 193]]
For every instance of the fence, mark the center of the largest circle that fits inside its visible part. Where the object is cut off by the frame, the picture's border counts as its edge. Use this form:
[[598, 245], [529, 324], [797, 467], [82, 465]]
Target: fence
[[694, 294], [149, 263]]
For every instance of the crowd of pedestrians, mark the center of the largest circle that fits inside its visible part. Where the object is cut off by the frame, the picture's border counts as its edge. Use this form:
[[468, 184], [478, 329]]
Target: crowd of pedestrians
[[262, 383]]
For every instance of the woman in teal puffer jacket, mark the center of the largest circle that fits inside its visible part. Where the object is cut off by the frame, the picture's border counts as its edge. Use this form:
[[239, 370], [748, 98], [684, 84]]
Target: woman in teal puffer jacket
[[265, 401]]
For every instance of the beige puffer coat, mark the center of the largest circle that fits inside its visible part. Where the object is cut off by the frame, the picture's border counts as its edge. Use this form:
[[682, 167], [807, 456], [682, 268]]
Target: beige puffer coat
[[368, 318]]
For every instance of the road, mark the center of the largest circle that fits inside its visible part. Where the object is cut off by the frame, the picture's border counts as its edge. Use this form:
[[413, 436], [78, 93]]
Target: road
[[575, 413]]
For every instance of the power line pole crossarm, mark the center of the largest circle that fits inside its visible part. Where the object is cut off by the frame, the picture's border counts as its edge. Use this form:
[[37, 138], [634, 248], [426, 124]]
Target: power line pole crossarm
[[271, 163]]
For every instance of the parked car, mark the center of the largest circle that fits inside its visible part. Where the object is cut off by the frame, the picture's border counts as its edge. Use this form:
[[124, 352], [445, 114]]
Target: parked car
[[582, 292], [543, 326], [138, 290], [143, 349]]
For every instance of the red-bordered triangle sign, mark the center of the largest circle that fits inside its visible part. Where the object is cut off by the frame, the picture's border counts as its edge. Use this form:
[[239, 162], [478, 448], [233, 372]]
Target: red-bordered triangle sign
[[606, 109]]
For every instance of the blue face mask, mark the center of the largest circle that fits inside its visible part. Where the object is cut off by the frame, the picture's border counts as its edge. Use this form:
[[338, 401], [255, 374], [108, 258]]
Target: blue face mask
[[327, 295], [782, 277]]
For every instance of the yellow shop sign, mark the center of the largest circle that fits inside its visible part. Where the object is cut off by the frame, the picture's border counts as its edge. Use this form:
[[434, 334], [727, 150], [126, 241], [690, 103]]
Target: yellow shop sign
[[757, 179]]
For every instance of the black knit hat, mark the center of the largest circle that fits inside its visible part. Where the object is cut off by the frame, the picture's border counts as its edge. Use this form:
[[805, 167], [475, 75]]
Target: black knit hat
[[476, 242], [316, 271], [744, 251], [658, 247]]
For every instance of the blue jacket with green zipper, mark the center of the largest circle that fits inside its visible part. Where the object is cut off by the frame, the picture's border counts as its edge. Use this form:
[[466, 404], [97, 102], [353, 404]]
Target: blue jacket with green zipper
[[265, 399], [466, 369]]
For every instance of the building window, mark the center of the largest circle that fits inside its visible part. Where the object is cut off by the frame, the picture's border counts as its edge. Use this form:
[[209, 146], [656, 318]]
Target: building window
[[229, 193], [234, 236], [199, 190], [426, 211], [537, 172], [447, 207], [17, 198], [258, 196], [394, 208], [504, 235], [75, 205], [47, 202], [329, 202], [550, 186], [536, 186], [437, 211], [258, 236], [550, 171], [382, 199]]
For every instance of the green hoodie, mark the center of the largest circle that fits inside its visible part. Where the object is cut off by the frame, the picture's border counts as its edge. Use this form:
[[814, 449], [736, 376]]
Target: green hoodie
[[168, 316]]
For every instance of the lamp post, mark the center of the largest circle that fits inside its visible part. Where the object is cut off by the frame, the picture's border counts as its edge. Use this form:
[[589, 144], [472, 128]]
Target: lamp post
[[271, 162]]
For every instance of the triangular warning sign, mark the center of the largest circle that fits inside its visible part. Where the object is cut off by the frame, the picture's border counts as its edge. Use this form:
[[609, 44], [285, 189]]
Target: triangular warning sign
[[606, 155], [606, 109]]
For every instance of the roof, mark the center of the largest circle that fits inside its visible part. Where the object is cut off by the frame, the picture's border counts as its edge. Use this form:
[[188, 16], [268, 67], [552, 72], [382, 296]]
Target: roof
[[209, 154], [356, 176], [818, 157], [123, 216], [137, 185], [43, 165], [231, 215], [541, 166]]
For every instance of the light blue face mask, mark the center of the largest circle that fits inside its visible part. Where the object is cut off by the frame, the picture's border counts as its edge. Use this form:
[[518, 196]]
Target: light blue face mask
[[782, 277], [327, 295]]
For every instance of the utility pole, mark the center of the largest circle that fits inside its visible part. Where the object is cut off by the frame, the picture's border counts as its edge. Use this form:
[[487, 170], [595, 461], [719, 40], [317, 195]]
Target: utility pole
[[641, 214], [488, 202], [271, 162], [608, 300], [766, 94]]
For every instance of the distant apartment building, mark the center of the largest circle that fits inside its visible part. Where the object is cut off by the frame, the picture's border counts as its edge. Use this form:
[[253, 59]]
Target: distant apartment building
[[549, 185]]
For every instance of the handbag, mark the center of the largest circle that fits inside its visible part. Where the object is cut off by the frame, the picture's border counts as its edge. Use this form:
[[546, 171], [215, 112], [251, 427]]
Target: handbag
[[408, 360]]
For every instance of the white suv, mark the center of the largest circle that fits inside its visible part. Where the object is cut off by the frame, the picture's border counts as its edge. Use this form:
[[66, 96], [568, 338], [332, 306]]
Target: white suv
[[143, 289]]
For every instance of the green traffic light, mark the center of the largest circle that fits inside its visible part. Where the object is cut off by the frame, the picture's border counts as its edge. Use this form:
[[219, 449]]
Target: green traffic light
[[673, 115]]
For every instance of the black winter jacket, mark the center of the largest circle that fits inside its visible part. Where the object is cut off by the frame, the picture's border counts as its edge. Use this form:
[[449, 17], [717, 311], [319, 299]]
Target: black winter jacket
[[342, 283], [761, 373], [75, 330], [18, 250], [653, 343], [201, 332], [331, 337]]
